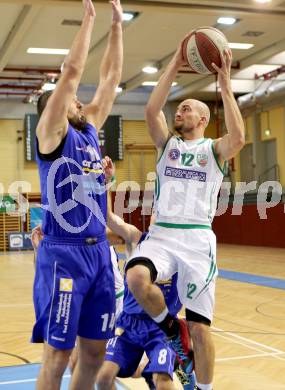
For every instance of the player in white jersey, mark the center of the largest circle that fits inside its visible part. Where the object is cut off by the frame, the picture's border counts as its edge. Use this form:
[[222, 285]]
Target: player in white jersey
[[135, 331], [189, 175]]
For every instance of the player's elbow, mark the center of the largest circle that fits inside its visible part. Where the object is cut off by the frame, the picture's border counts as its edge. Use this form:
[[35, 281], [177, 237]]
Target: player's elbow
[[236, 144], [150, 112], [152, 116], [72, 70], [239, 141]]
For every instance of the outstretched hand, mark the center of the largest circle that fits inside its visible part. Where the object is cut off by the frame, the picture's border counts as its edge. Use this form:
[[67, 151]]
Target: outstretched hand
[[224, 72], [109, 168], [89, 8], [117, 11]]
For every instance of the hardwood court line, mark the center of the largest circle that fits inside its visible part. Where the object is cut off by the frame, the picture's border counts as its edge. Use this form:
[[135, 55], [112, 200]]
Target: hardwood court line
[[248, 340], [247, 344], [26, 380], [15, 304], [240, 343], [248, 356]]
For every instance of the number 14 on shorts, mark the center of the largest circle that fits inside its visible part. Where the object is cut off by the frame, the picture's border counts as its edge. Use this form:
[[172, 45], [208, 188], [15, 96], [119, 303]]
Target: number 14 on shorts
[[108, 321]]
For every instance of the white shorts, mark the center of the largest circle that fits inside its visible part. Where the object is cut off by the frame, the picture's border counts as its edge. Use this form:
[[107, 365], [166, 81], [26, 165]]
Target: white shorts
[[191, 253]]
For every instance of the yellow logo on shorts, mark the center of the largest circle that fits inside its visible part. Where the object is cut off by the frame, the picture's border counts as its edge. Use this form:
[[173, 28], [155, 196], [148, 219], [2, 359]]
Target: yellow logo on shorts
[[65, 285], [119, 331]]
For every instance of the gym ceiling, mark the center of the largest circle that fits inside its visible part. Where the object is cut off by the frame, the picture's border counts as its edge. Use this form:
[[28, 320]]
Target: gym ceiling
[[149, 39]]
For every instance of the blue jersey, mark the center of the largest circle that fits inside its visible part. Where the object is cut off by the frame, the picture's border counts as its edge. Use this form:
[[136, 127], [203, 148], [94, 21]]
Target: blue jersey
[[73, 187], [168, 287]]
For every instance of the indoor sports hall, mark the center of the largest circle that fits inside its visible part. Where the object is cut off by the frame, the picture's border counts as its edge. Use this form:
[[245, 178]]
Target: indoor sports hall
[[248, 328]]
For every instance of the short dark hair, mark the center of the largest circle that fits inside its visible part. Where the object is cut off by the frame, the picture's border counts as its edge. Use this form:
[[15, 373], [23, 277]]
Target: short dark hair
[[42, 102]]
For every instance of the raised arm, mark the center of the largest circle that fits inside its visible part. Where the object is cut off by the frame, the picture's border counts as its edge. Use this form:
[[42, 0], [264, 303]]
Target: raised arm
[[53, 123], [155, 118], [110, 71], [128, 232], [232, 142]]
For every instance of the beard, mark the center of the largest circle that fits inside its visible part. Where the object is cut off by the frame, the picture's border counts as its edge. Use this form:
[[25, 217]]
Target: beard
[[78, 122], [181, 129]]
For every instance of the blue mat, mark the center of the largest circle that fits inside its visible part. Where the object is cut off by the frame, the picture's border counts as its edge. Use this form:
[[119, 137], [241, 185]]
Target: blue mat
[[254, 279], [24, 378]]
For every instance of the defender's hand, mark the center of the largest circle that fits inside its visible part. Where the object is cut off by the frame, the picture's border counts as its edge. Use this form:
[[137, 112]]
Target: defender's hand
[[117, 11], [89, 8]]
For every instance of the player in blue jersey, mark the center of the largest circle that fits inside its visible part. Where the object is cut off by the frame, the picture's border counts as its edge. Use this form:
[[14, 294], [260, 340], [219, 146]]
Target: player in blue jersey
[[37, 236], [136, 332], [73, 267]]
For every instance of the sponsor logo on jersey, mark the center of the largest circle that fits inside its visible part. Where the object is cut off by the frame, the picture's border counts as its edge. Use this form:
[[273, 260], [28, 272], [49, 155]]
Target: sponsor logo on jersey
[[174, 154], [185, 174], [202, 159], [86, 190], [94, 155]]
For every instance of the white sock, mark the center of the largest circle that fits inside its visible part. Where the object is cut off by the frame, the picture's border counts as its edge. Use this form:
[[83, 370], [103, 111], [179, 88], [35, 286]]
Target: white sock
[[204, 387], [161, 316]]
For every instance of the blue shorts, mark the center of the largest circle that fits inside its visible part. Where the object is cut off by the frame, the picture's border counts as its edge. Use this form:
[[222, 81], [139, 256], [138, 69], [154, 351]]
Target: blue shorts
[[74, 292], [140, 334]]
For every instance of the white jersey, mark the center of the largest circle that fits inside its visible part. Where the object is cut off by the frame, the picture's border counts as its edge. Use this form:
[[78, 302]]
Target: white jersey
[[188, 181]]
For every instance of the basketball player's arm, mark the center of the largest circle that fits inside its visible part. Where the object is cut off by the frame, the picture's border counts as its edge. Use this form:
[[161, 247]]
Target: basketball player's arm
[[128, 232], [230, 144], [53, 123], [110, 72], [155, 118], [36, 237]]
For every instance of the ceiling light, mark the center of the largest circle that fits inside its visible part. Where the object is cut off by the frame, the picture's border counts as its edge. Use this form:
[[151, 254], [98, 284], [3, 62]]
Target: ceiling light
[[154, 83], [150, 69], [127, 16], [226, 20], [263, 1], [48, 87], [241, 46], [149, 83], [41, 50], [119, 89], [267, 132]]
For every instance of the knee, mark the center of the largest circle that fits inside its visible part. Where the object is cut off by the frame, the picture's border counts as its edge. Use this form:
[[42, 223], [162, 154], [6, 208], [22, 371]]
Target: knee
[[104, 380], [73, 360], [138, 279], [93, 358], [91, 353], [55, 361], [199, 333], [163, 382]]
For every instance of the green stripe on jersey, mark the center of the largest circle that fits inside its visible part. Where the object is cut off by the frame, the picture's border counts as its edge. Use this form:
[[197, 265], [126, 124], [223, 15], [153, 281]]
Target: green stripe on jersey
[[182, 225], [119, 294], [163, 149]]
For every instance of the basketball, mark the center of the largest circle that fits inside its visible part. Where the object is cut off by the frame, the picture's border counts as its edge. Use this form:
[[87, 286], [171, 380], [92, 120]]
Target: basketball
[[203, 47]]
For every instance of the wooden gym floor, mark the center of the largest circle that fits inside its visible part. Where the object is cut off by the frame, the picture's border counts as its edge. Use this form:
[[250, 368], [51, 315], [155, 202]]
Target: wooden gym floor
[[248, 329]]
